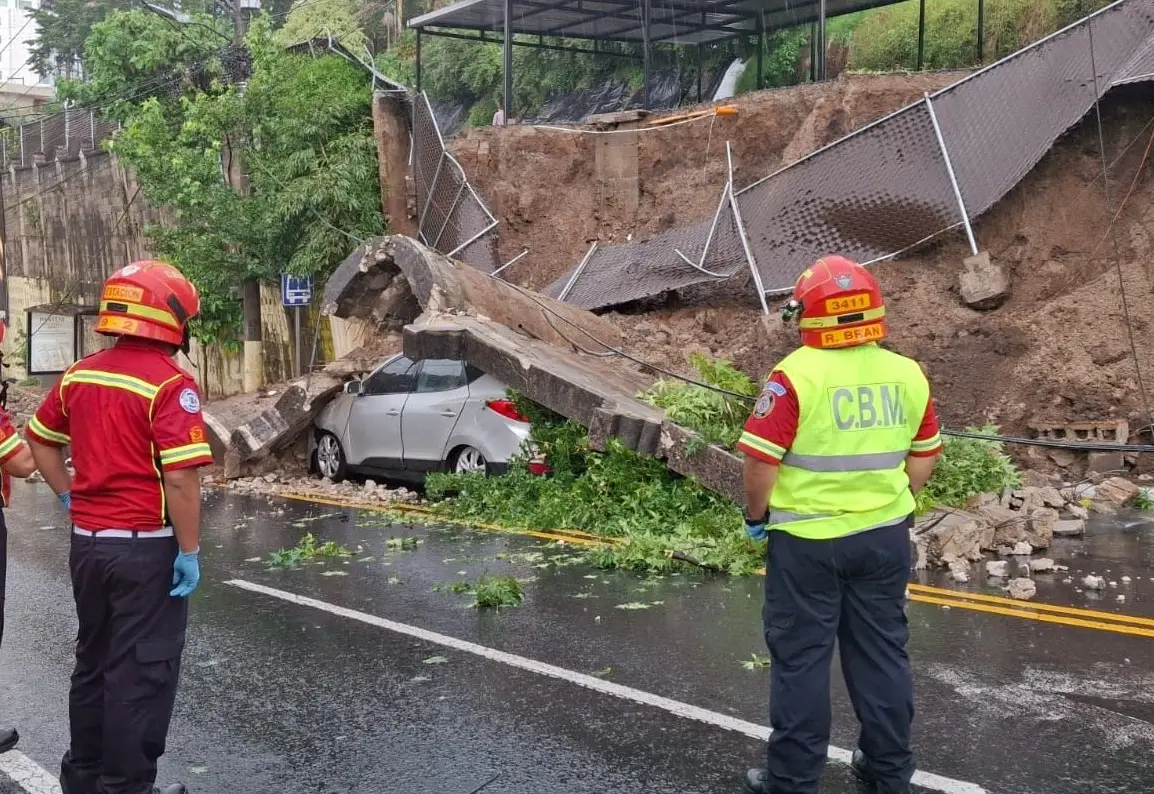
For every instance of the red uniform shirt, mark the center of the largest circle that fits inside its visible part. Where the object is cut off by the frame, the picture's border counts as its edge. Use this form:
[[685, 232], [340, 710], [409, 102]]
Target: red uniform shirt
[[129, 413], [773, 434], [10, 446]]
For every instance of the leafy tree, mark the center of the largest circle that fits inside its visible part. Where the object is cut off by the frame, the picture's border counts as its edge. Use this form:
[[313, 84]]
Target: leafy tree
[[62, 26], [310, 156], [316, 18], [135, 54]]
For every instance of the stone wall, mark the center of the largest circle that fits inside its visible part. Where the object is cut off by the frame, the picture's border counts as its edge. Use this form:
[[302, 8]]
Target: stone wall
[[68, 224]]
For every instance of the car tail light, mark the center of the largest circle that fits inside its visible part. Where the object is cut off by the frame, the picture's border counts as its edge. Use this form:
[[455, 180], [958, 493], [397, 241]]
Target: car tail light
[[506, 408]]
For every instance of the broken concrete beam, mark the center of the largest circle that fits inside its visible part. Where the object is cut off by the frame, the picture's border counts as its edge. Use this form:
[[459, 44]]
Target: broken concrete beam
[[446, 286], [998, 569], [984, 285], [590, 391], [281, 424], [1107, 431]]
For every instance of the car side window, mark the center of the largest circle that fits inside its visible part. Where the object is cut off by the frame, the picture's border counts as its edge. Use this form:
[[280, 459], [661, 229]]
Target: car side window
[[398, 377], [440, 375]]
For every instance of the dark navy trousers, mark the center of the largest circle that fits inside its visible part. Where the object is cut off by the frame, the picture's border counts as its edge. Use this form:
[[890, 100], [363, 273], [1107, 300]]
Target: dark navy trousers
[[851, 590], [128, 653]]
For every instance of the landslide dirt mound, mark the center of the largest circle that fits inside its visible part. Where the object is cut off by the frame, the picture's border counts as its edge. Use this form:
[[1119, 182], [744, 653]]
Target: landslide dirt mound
[[542, 186], [1057, 350]]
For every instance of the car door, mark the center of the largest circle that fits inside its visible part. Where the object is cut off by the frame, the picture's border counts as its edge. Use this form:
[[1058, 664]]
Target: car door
[[431, 412], [373, 434]]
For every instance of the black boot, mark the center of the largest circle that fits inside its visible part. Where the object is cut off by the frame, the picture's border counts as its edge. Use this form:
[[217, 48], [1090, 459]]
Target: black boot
[[757, 781], [8, 739], [861, 770], [175, 788]]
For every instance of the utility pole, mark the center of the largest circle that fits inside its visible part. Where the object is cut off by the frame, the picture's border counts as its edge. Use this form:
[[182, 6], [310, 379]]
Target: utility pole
[[242, 11]]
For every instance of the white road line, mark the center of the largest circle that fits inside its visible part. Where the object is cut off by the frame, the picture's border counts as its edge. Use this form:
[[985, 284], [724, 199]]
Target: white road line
[[924, 779], [28, 774]]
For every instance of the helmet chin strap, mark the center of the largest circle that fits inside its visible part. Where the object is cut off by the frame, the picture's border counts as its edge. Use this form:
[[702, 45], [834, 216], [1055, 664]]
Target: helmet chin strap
[[186, 342]]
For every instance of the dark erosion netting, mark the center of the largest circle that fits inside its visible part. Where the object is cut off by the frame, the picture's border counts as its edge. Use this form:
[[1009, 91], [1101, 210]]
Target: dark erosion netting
[[887, 187]]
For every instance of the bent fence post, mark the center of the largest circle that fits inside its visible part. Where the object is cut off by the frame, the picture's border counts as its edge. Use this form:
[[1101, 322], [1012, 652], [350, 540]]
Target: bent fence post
[[953, 177], [741, 230], [577, 273]]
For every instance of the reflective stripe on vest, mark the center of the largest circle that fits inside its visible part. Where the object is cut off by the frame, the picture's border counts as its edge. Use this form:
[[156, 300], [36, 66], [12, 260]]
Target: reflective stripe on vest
[[866, 462], [859, 409]]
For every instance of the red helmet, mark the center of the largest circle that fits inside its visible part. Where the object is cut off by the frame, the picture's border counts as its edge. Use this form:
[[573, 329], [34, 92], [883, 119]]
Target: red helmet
[[148, 299], [839, 304]]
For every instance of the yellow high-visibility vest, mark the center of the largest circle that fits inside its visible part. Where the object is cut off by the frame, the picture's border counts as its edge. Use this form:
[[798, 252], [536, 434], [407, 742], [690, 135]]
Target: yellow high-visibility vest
[[860, 408]]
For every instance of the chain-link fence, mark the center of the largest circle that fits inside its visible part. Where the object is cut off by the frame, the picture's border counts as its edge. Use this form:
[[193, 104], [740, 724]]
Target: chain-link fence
[[451, 218], [58, 136], [928, 168]]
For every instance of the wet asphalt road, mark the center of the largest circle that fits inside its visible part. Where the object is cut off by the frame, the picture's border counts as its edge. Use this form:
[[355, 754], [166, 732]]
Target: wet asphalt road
[[283, 697]]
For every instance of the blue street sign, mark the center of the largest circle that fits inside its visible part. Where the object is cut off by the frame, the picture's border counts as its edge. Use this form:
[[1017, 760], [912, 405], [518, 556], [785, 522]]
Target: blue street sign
[[296, 290]]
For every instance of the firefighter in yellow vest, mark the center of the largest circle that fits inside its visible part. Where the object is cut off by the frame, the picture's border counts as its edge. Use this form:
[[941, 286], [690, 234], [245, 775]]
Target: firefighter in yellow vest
[[842, 436]]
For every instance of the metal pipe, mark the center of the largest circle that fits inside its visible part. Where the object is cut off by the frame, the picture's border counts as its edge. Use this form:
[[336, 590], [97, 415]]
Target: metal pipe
[[577, 273], [813, 52], [709, 237], [821, 40], [741, 230], [699, 66], [953, 177], [645, 53], [921, 33], [507, 104], [981, 30], [448, 215], [418, 60], [514, 260], [472, 239], [760, 46]]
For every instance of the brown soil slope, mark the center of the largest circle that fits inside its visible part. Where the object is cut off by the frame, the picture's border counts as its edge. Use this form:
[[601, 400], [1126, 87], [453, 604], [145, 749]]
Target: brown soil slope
[[540, 183], [1058, 350]]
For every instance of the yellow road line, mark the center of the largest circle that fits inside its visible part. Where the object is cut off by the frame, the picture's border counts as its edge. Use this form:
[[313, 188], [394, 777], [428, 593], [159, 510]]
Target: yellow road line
[[1019, 613], [988, 599], [925, 594]]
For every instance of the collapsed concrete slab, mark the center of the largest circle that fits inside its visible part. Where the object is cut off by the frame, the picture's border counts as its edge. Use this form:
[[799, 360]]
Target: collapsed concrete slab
[[590, 391], [391, 281]]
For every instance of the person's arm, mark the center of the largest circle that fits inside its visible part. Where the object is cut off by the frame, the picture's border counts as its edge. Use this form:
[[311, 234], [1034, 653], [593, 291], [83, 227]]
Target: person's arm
[[50, 461], [178, 432], [768, 434], [21, 464], [15, 458], [758, 478], [925, 449], [182, 496], [47, 434]]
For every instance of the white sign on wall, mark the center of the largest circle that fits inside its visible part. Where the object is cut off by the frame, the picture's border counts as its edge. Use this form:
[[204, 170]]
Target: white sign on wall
[[51, 343]]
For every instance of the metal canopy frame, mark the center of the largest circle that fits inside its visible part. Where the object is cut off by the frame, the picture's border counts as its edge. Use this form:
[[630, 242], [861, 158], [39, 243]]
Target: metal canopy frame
[[644, 22]]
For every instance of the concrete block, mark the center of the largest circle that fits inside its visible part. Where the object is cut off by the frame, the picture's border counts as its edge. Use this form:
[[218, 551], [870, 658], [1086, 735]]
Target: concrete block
[[984, 285]]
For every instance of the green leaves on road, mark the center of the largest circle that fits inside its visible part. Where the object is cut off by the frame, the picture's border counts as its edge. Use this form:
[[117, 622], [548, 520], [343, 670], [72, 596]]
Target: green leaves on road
[[308, 550]]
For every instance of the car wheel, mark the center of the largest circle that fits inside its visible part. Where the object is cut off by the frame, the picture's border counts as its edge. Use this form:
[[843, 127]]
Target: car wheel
[[469, 460], [331, 462]]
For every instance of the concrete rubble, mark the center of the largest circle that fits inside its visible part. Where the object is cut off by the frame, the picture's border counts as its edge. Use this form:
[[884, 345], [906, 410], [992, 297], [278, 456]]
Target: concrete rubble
[[960, 572], [1114, 494], [1022, 589], [983, 284], [1042, 565], [1094, 582], [273, 484], [997, 569]]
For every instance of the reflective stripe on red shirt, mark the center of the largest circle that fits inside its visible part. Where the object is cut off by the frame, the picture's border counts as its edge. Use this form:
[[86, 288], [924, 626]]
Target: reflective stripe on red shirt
[[770, 436], [10, 446], [129, 413]]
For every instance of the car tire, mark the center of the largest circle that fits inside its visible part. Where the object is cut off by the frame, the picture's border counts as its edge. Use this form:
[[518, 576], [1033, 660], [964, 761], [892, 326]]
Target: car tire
[[331, 462], [468, 459]]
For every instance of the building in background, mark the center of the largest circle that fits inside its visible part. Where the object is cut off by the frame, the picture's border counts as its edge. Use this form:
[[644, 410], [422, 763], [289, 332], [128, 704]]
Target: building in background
[[22, 90]]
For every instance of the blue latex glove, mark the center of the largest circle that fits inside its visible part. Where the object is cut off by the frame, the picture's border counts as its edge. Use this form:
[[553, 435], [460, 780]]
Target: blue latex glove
[[185, 574], [65, 499], [756, 529]]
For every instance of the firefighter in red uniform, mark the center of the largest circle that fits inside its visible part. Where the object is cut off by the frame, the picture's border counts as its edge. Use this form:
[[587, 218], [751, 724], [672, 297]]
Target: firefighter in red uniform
[[15, 461], [133, 420]]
